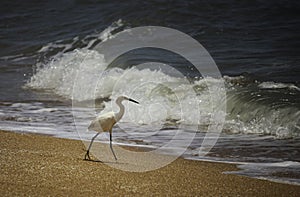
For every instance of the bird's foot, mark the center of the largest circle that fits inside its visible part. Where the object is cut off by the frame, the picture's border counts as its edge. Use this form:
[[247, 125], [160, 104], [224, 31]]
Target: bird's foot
[[116, 159], [87, 155]]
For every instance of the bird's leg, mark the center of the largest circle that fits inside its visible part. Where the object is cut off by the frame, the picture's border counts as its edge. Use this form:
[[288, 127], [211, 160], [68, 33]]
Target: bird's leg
[[110, 139], [87, 155]]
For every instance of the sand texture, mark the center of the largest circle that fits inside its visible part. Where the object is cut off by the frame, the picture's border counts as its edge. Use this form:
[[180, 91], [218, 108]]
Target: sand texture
[[36, 165]]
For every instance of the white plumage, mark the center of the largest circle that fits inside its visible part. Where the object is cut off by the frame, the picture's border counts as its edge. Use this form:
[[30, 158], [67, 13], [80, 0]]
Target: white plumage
[[105, 123]]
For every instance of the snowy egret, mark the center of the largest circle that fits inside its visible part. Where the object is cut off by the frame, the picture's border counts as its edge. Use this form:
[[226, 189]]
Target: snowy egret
[[105, 123]]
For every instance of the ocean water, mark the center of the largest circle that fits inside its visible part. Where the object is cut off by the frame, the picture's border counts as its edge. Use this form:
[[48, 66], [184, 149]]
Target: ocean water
[[44, 45]]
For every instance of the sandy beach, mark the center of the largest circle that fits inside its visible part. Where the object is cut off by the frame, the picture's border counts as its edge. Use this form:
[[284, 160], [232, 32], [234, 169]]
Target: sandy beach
[[36, 165]]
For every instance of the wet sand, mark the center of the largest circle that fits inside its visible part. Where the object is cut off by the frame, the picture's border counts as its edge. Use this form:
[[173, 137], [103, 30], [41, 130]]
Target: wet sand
[[36, 165]]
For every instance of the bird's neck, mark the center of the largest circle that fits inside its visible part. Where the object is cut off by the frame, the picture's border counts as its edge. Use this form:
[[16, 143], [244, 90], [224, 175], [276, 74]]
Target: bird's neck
[[120, 114]]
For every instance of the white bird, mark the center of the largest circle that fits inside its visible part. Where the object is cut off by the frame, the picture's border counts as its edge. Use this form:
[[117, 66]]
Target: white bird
[[105, 123]]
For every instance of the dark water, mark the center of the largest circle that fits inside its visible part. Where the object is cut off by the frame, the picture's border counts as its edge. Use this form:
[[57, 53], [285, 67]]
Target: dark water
[[255, 44], [256, 37]]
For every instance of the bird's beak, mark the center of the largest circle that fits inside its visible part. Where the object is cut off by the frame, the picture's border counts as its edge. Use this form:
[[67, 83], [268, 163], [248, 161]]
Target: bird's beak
[[133, 101]]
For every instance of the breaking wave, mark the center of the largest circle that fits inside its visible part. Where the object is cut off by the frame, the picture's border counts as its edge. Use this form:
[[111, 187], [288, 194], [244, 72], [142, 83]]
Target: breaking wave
[[266, 108]]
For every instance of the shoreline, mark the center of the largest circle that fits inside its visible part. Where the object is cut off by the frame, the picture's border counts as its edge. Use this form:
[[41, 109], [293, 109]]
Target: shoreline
[[35, 164]]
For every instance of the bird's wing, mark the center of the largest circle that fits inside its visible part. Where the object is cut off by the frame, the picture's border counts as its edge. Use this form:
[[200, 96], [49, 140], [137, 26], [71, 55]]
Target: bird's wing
[[103, 122]]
